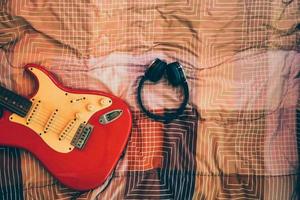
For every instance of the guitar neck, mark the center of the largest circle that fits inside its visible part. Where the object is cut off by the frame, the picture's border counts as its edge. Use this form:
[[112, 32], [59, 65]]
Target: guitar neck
[[14, 102]]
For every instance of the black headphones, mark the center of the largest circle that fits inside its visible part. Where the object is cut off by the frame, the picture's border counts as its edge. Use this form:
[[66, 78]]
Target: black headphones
[[176, 77]]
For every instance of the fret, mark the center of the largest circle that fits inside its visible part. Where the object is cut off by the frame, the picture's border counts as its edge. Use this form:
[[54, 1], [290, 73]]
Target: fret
[[14, 102], [13, 109]]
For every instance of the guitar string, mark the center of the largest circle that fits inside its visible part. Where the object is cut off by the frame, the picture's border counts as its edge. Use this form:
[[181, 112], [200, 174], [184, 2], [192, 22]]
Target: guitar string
[[54, 127], [12, 107], [43, 119], [67, 136], [46, 116], [34, 105], [58, 117], [56, 131], [65, 124], [27, 111], [49, 126], [44, 122], [44, 125]]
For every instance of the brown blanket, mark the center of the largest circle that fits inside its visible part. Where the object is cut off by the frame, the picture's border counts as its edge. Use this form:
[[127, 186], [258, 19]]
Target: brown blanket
[[237, 139]]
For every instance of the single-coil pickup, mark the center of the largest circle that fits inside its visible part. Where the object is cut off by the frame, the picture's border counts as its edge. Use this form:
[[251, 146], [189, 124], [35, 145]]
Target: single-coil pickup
[[67, 129], [33, 112], [50, 121]]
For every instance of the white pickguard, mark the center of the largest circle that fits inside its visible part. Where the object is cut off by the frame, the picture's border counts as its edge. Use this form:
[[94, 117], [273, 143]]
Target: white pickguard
[[55, 114]]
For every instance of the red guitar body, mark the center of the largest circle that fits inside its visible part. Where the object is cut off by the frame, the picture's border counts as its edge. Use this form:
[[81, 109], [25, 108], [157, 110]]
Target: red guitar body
[[81, 168]]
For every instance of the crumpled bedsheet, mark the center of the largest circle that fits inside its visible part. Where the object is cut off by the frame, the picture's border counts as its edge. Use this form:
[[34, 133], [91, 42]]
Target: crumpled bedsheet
[[239, 135]]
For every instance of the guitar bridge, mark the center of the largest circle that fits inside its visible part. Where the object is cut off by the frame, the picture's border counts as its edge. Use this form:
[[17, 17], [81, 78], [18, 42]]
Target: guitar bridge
[[81, 136]]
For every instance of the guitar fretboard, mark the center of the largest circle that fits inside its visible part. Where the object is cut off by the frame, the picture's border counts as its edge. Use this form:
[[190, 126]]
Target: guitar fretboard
[[14, 102]]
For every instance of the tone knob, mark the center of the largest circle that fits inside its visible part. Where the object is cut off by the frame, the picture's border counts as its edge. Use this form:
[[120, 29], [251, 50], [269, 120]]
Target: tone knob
[[90, 107], [105, 101]]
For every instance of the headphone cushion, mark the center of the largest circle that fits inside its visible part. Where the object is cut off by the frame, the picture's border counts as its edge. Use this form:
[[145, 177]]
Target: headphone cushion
[[175, 74], [156, 70]]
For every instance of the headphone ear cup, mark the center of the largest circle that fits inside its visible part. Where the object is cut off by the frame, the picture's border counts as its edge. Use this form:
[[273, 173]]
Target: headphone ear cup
[[156, 70], [175, 74]]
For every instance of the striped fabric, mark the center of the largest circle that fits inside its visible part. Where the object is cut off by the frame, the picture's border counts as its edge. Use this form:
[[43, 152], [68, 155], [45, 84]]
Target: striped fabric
[[238, 137]]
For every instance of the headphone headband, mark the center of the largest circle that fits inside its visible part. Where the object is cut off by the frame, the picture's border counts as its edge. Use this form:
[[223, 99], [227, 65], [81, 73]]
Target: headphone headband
[[167, 117]]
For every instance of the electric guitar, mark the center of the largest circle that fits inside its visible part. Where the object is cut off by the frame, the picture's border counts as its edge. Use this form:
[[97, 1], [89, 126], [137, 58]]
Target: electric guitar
[[78, 135]]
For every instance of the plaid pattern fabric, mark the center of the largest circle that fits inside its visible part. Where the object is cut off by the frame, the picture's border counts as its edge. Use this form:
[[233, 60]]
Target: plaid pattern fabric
[[237, 139]]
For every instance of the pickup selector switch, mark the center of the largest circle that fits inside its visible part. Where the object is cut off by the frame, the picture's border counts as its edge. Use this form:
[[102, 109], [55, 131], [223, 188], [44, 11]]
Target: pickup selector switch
[[78, 115]]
